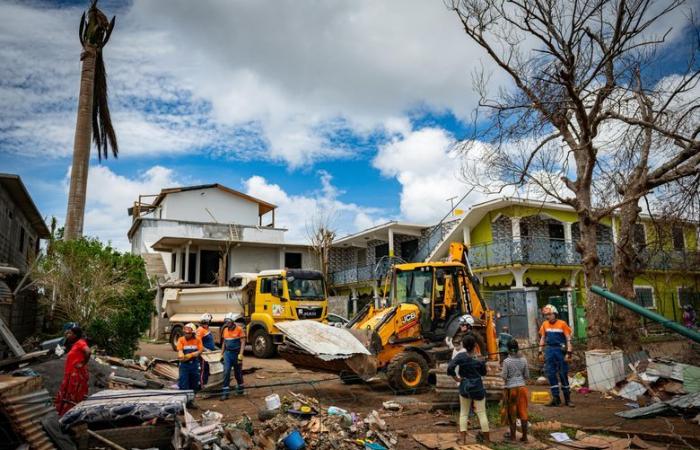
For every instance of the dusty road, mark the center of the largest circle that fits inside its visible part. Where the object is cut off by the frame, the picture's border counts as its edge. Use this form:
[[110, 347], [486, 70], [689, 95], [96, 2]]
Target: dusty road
[[591, 410]]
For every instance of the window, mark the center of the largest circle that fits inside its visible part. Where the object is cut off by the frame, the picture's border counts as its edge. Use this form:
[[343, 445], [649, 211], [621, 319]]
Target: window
[[173, 262], [292, 260], [21, 239], [266, 286], [381, 251], [208, 266], [639, 236], [687, 296], [644, 296], [409, 249], [678, 238]]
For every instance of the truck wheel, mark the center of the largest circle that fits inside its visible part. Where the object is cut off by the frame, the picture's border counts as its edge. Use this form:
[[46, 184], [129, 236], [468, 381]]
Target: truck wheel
[[407, 372], [175, 334], [262, 344]]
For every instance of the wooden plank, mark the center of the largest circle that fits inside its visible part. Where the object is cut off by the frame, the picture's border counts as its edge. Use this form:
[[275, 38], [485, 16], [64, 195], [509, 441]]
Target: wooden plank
[[105, 441], [10, 340]]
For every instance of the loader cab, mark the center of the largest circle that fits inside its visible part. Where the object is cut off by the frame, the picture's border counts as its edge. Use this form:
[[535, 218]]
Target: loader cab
[[439, 290]]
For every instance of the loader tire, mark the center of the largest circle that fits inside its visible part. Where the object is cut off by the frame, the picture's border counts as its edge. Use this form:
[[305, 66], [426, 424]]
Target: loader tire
[[407, 372], [262, 344], [175, 334]]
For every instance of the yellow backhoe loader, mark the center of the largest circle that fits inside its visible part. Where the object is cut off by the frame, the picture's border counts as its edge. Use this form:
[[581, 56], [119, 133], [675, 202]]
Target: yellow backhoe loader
[[404, 337]]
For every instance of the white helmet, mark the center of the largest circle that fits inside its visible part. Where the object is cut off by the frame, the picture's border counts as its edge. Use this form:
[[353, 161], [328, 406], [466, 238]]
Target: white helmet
[[232, 317], [206, 318], [468, 319], [550, 309], [191, 326]]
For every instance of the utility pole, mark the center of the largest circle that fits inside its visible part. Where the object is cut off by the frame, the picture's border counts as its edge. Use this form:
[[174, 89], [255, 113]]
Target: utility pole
[[452, 203]]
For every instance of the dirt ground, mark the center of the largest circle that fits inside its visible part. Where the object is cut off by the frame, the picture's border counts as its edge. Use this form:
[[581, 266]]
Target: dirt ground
[[591, 410]]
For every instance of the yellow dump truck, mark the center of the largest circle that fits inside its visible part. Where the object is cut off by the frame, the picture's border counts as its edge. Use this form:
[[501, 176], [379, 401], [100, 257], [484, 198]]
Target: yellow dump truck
[[263, 299]]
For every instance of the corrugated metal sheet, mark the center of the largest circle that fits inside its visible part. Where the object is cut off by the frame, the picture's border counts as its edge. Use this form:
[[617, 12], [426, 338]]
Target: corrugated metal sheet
[[325, 341], [26, 402]]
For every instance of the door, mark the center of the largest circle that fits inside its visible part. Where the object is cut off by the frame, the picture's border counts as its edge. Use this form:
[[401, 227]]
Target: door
[[556, 243], [511, 310]]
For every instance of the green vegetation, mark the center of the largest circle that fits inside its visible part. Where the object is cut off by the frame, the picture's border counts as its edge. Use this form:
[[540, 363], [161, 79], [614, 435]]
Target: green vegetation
[[105, 291]]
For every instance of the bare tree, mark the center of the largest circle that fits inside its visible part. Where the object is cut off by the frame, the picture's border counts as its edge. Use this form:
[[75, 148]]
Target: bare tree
[[320, 230], [578, 93]]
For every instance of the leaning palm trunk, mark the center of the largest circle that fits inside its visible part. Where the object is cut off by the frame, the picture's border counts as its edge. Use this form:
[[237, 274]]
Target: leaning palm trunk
[[93, 115]]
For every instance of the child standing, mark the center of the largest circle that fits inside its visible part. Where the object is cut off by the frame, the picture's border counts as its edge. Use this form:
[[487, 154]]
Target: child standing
[[515, 373], [467, 371]]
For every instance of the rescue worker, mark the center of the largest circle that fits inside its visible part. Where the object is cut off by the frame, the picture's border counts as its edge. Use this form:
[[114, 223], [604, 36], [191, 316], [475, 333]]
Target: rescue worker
[[466, 327], [232, 345], [189, 348], [555, 337], [207, 338], [74, 386]]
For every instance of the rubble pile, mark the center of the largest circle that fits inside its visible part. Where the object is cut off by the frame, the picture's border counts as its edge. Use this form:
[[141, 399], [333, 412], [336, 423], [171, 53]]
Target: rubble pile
[[656, 386]]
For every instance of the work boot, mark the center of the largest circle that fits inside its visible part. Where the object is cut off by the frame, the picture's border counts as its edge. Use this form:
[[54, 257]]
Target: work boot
[[239, 390], [556, 401], [523, 423], [567, 400], [224, 396]]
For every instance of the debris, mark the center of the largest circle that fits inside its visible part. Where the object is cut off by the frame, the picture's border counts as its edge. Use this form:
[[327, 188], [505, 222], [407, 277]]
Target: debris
[[25, 402], [540, 397], [691, 379], [632, 390], [686, 403], [632, 405], [674, 388], [293, 441], [577, 381], [551, 425], [375, 422], [105, 441], [560, 437], [166, 370], [211, 417], [605, 368], [542, 381], [437, 441], [115, 405], [272, 402], [392, 406]]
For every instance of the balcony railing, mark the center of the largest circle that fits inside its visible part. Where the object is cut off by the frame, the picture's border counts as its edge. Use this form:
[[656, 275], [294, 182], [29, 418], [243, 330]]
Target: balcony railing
[[544, 251], [358, 274]]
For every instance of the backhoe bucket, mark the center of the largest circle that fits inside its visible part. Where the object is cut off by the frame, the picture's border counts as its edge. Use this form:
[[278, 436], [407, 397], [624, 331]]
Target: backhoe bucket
[[324, 348]]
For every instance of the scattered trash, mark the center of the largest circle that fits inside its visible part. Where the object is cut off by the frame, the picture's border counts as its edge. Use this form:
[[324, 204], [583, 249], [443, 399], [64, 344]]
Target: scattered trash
[[632, 405], [541, 397], [577, 381], [294, 440], [560, 436], [391, 405], [632, 391], [551, 425], [272, 402], [685, 403], [583, 390]]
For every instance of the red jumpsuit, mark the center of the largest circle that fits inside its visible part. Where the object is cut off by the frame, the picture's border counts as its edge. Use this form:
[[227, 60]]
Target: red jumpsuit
[[74, 387]]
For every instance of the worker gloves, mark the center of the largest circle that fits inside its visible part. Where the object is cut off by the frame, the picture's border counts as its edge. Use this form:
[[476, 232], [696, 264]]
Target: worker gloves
[[540, 357], [240, 356], [568, 358]]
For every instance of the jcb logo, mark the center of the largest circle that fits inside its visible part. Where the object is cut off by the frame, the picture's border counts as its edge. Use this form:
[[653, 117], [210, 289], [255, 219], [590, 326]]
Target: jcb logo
[[409, 317]]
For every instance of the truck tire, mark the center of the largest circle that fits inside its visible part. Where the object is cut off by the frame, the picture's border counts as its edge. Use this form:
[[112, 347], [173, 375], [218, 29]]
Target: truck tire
[[407, 372], [175, 334], [262, 344]]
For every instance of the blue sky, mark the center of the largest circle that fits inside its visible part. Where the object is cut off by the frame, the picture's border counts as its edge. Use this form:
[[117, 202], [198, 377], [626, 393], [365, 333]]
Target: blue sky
[[347, 106]]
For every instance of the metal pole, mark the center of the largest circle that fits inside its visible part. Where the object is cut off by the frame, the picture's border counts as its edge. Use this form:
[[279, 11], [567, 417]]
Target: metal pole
[[668, 323]]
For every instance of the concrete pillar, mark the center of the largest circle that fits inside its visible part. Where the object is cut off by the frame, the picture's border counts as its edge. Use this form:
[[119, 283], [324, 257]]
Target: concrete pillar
[[281, 259], [353, 299], [568, 242], [466, 235], [178, 262], [532, 311], [570, 306], [391, 243], [197, 266], [519, 276], [187, 262], [517, 252]]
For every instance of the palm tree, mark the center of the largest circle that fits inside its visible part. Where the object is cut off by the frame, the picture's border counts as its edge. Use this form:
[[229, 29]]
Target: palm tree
[[93, 114]]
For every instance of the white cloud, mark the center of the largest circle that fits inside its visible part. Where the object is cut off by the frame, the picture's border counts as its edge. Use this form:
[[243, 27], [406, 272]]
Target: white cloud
[[109, 195], [428, 168], [298, 212], [242, 79]]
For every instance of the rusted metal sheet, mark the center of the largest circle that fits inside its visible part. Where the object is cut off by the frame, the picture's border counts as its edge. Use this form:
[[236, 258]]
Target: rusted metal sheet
[[323, 341]]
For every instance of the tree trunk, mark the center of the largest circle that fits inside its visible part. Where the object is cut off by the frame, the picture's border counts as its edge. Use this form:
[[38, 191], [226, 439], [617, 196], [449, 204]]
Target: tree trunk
[[625, 323], [221, 274], [596, 307], [81, 147]]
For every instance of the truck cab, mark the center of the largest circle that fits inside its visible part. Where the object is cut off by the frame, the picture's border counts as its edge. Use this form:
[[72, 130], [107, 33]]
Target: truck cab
[[280, 295]]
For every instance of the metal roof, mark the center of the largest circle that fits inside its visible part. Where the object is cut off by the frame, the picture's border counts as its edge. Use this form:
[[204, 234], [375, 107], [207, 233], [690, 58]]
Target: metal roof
[[20, 196], [263, 206]]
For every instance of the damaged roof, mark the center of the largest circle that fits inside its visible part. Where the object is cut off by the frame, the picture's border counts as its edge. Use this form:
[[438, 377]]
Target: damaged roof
[[21, 198]]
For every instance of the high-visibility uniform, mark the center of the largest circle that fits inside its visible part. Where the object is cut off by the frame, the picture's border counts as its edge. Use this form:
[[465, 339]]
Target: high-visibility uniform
[[231, 337], [207, 338], [555, 337], [189, 368]]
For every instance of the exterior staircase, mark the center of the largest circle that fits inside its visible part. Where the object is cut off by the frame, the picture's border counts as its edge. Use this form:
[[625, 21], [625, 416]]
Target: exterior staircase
[[155, 267]]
